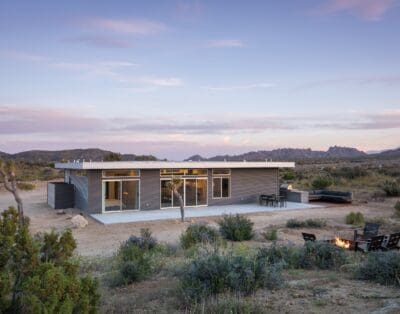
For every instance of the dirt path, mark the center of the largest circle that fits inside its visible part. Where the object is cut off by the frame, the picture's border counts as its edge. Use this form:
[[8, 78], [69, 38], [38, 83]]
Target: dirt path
[[97, 239]]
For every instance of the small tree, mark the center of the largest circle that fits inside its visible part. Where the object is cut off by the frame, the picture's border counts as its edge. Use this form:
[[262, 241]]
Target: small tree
[[7, 174], [174, 186]]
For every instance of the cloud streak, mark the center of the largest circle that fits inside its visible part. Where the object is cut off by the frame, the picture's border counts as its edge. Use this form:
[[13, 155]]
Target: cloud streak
[[239, 87], [128, 26], [226, 43], [369, 10]]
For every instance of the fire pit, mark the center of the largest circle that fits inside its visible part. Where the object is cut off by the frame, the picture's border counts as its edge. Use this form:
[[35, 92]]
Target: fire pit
[[344, 243]]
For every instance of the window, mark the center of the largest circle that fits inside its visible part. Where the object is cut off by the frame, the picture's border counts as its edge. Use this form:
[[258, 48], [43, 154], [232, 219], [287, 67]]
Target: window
[[121, 173], [220, 172], [221, 187], [183, 172]]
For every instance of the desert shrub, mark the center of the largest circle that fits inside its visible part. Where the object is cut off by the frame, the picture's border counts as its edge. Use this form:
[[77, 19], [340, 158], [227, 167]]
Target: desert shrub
[[313, 255], [270, 235], [309, 223], [397, 208], [228, 304], [294, 223], [236, 228], [321, 182], [289, 175], [316, 223], [135, 260], [355, 219], [199, 233], [391, 188], [318, 255], [38, 274], [381, 267], [349, 173], [214, 273], [26, 186]]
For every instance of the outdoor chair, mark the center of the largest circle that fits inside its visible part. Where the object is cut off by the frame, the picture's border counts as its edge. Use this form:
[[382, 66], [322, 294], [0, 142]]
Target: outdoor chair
[[370, 230], [374, 244], [309, 237], [393, 242], [263, 199]]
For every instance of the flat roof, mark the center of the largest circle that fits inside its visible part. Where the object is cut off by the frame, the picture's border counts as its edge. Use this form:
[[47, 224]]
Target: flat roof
[[100, 165]]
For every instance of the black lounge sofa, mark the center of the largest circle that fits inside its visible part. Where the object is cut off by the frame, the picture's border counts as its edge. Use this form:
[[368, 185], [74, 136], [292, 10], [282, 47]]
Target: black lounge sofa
[[330, 196]]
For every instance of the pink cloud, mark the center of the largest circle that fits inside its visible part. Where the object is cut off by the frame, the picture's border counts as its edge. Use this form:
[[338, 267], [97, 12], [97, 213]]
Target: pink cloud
[[130, 26], [370, 10]]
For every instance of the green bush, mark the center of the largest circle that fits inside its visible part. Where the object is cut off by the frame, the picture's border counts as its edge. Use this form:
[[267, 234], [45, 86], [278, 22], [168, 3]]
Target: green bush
[[381, 267], [199, 233], [321, 182], [309, 223], [355, 219], [397, 208], [236, 228], [313, 255], [228, 305], [213, 273], [26, 186], [270, 235], [38, 274], [136, 260], [391, 188]]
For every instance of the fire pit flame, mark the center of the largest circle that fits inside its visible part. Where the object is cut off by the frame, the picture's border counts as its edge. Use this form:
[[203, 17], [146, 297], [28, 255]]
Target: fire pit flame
[[342, 243]]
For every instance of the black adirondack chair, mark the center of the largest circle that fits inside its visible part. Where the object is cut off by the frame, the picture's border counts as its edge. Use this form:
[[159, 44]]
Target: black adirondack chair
[[393, 242], [370, 230], [309, 237], [374, 244]]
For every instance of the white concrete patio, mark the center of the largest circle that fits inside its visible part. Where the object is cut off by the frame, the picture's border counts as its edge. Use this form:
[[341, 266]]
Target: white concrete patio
[[192, 212]]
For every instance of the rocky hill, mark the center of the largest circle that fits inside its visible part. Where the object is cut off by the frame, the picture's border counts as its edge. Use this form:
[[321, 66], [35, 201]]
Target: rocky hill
[[288, 154], [94, 154]]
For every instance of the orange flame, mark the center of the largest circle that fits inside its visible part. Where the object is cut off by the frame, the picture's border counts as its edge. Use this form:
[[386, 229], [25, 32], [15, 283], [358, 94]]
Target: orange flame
[[342, 243]]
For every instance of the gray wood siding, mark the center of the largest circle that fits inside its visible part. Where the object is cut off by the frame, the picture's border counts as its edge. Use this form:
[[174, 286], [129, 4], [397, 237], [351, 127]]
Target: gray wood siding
[[149, 189], [95, 192], [246, 186]]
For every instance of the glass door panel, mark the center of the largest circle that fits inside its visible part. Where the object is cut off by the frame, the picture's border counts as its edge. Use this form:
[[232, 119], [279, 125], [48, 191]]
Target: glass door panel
[[166, 194], [130, 195], [201, 192], [190, 185], [112, 195]]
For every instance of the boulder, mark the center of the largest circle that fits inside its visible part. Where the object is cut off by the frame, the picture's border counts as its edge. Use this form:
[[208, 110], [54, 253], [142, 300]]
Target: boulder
[[78, 221]]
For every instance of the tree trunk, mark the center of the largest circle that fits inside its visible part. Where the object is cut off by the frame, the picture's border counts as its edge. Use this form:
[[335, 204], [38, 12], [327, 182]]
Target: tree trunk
[[13, 189], [181, 205]]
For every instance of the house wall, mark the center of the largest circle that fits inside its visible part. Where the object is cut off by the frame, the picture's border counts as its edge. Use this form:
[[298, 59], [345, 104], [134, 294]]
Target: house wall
[[80, 189], [246, 186]]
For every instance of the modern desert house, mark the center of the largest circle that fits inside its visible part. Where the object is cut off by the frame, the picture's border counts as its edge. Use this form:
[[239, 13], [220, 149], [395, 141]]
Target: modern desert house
[[102, 187]]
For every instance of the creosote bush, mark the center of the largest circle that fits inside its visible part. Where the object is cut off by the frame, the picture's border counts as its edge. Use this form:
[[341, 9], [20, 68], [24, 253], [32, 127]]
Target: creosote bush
[[309, 223], [136, 259], [236, 228], [313, 255], [391, 188], [270, 235], [38, 274], [228, 304], [215, 273], [355, 219], [199, 233], [321, 182], [380, 267], [26, 186]]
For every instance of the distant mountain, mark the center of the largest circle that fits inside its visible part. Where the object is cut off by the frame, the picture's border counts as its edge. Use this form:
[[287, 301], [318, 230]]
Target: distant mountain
[[285, 154], [94, 154], [392, 153]]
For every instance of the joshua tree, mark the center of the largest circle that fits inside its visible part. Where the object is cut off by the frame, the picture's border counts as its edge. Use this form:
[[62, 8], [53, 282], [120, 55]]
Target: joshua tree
[[7, 174], [173, 186]]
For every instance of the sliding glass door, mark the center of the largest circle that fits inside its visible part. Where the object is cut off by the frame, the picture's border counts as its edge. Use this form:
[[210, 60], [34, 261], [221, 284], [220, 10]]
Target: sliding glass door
[[192, 190], [119, 195]]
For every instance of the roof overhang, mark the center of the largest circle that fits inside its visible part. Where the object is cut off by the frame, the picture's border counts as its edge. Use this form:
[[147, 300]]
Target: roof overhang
[[100, 165]]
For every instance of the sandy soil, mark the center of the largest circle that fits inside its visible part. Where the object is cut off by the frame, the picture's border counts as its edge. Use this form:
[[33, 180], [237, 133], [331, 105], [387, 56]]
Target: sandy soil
[[98, 239]]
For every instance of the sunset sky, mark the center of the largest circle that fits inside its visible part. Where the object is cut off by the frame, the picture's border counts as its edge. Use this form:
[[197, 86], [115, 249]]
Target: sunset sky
[[177, 78]]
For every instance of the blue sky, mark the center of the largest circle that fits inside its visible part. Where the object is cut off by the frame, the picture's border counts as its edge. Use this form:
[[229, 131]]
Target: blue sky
[[175, 78]]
